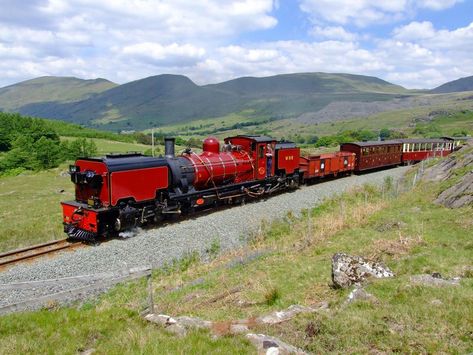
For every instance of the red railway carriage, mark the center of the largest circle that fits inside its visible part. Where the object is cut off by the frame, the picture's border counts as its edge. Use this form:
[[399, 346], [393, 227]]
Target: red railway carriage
[[373, 155], [414, 150], [317, 166]]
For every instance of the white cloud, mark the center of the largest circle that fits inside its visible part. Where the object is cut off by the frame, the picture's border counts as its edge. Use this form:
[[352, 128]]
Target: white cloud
[[125, 40], [437, 4], [415, 31], [174, 53], [363, 13], [333, 32]]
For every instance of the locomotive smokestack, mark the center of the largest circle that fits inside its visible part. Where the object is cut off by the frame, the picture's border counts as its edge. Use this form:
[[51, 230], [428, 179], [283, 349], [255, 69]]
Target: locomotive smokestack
[[169, 147]]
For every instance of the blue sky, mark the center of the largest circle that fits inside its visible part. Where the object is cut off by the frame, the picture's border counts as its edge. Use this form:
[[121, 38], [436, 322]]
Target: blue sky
[[414, 43]]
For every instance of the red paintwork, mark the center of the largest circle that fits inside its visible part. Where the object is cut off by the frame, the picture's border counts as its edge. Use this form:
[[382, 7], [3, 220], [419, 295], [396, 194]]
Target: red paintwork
[[86, 220], [327, 164], [422, 155], [84, 192], [256, 151], [138, 184], [288, 159], [218, 168], [375, 154], [211, 144]]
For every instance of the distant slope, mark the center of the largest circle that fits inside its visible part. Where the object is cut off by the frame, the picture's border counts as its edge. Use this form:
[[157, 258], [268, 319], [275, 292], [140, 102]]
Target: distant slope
[[307, 83], [154, 100], [165, 99], [462, 84], [50, 88]]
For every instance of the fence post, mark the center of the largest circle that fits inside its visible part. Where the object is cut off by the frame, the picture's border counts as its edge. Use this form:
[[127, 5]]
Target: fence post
[[150, 288], [309, 225]]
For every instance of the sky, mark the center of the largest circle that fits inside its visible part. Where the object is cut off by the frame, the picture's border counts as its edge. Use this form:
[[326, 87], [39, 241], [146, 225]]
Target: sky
[[413, 43]]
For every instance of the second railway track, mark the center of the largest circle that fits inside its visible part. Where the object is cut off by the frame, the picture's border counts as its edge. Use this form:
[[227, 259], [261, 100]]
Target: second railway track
[[35, 251]]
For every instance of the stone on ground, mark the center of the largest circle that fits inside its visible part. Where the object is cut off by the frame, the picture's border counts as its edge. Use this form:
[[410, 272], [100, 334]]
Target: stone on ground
[[350, 270]]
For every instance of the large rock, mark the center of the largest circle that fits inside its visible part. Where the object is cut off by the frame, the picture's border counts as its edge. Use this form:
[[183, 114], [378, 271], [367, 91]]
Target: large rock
[[459, 195], [445, 168], [354, 270]]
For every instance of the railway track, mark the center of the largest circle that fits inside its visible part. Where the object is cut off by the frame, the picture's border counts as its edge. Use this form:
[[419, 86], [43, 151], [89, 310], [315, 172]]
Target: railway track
[[19, 255]]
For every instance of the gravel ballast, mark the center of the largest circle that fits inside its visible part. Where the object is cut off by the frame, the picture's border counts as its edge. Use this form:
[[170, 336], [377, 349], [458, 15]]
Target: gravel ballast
[[230, 227]]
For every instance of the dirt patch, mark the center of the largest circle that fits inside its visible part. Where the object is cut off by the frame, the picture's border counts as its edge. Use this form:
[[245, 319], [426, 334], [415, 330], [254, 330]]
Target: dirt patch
[[394, 248]]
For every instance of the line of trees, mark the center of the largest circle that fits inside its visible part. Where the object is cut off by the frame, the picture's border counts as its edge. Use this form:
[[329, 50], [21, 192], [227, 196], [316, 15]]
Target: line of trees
[[32, 144]]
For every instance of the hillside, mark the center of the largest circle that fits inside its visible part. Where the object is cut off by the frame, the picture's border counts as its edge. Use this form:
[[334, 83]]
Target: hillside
[[50, 88], [462, 84], [164, 99]]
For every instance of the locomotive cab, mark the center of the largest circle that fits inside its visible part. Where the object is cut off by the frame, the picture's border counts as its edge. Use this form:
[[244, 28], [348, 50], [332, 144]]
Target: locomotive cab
[[112, 193]]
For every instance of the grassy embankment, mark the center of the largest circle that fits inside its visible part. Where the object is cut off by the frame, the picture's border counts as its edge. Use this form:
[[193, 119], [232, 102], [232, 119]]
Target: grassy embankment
[[406, 231], [30, 210]]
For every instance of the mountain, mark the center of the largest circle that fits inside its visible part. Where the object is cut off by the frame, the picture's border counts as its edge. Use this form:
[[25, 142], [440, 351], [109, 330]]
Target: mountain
[[462, 84], [165, 99], [307, 83], [50, 88]]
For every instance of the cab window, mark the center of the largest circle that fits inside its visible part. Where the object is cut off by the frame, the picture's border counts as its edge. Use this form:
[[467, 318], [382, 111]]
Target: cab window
[[261, 151]]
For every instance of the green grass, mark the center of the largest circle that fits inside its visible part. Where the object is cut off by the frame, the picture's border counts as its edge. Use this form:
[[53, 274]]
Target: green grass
[[30, 210], [105, 146], [294, 267]]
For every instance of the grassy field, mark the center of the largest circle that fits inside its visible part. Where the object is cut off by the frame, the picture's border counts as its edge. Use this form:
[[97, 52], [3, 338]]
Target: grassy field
[[105, 146], [30, 210], [397, 225]]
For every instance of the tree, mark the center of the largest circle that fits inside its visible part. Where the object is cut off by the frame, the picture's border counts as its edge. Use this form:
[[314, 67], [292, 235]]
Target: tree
[[82, 148], [20, 156], [384, 134], [47, 153]]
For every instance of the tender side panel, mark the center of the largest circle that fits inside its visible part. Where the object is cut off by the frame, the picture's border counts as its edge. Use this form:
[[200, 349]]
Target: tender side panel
[[139, 184], [83, 193], [84, 219], [288, 159]]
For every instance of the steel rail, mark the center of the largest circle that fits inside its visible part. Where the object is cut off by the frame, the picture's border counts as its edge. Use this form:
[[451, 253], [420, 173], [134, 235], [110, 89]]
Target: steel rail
[[15, 256]]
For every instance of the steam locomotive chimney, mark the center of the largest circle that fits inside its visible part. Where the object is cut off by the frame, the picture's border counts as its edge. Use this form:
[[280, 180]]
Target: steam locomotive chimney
[[169, 147]]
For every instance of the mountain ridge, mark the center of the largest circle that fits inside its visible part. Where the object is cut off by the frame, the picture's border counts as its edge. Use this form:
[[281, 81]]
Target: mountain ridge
[[165, 99], [459, 85], [50, 88]]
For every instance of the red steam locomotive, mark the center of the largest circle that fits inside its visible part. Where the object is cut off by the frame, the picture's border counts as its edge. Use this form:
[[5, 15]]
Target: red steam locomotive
[[118, 192]]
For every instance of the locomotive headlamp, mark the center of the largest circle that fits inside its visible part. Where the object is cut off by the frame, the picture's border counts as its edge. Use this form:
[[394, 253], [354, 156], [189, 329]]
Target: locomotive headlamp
[[73, 169]]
